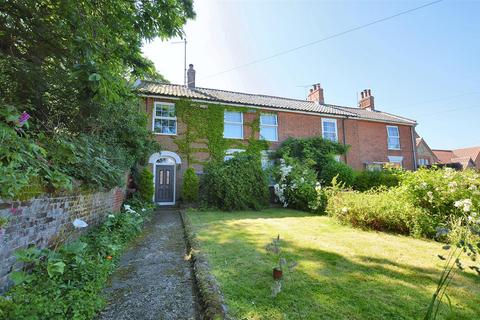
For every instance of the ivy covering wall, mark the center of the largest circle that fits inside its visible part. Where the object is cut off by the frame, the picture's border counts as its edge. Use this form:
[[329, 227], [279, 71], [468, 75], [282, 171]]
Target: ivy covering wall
[[204, 126]]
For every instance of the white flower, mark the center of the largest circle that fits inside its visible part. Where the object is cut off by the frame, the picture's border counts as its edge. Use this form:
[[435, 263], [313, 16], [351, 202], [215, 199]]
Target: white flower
[[111, 216], [423, 185], [465, 204], [143, 209], [473, 187], [452, 185], [79, 223], [344, 210]]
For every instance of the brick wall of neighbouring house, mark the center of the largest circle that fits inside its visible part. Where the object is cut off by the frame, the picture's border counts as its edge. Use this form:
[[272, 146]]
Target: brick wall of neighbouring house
[[42, 221]]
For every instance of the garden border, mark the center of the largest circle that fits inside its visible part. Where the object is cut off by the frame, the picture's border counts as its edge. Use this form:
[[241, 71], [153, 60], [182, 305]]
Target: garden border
[[210, 296]]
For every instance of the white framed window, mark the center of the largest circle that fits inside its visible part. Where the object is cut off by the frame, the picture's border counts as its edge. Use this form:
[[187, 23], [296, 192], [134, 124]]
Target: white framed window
[[396, 160], [329, 129], [230, 153], [393, 138], [164, 119], [233, 125], [269, 127], [423, 162]]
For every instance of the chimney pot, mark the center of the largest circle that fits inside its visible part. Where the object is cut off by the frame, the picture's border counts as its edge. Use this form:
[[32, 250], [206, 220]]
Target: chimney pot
[[316, 94], [190, 76], [367, 100]]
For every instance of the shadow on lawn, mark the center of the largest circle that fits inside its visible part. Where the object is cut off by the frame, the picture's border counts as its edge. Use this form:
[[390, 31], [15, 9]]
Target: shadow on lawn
[[271, 213], [325, 285]]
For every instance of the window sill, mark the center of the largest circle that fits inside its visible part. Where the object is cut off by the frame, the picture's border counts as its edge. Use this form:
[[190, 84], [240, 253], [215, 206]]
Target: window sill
[[164, 134], [233, 138], [394, 149]]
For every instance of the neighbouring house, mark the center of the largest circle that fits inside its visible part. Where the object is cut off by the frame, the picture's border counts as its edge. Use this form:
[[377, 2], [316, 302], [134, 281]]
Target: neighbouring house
[[196, 124], [425, 155], [461, 158]]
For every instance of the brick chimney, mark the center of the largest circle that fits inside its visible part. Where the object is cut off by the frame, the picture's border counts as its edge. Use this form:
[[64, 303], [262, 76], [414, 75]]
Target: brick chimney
[[367, 101], [316, 94], [191, 76]]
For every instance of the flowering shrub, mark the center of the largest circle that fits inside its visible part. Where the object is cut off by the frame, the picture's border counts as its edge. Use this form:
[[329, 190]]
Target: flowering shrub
[[424, 201], [74, 274], [298, 187], [443, 193]]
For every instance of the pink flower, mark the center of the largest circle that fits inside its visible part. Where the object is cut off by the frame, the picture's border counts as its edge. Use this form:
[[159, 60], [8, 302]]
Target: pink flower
[[23, 118]]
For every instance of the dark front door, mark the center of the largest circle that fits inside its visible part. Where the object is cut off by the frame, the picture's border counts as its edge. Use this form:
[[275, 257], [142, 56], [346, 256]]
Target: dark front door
[[165, 184]]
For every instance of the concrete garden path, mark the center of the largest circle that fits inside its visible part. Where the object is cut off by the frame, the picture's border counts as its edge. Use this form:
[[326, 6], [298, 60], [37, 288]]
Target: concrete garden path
[[154, 279]]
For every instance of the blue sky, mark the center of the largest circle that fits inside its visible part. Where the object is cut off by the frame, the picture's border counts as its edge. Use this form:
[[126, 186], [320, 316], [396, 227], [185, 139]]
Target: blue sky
[[424, 65]]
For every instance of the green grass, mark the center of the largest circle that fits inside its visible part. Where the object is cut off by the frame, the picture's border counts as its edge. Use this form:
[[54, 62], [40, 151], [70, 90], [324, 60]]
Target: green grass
[[342, 273]]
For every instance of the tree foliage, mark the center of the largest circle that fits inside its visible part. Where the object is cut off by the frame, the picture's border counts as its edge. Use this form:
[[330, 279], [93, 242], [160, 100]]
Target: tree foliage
[[71, 65]]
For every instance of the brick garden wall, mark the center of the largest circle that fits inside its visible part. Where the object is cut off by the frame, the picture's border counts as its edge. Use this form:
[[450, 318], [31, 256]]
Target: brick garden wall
[[40, 221]]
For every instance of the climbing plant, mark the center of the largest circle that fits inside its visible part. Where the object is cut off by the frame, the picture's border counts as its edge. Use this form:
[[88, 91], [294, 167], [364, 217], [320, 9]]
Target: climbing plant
[[204, 131]]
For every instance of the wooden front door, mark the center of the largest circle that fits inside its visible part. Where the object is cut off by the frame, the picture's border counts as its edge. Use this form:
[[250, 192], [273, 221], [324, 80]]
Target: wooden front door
[[165, 184]]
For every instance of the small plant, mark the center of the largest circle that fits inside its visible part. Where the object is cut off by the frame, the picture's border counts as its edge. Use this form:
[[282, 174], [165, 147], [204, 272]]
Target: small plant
[[190, 186], [274, 248], [3, 221], [145, 185], [467, 231]]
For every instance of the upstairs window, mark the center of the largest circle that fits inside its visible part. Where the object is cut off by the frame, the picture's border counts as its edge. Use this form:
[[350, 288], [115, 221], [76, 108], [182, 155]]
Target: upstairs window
[[268, 127], [393, 138], [329, 129], [233, 125], [164, 119]]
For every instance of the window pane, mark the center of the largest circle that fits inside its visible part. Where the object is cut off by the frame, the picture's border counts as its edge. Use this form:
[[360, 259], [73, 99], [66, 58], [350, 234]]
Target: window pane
[[233, 116], [165, 111], [392, 131], [268, 133], [393, 143], [233, 131], [165, 126], [329, 127], [268, 119], [330, 136]]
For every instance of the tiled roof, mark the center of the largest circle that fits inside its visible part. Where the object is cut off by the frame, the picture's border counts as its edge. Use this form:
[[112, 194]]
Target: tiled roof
[[467, 152], [444, 156], [259, 100]]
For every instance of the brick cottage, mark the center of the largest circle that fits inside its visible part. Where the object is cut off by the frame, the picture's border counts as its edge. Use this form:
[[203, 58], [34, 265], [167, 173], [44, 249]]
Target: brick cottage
[[375, 137]]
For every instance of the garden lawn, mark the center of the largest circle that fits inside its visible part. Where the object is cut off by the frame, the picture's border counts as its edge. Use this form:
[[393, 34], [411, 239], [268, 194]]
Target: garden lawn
[[342, 273]]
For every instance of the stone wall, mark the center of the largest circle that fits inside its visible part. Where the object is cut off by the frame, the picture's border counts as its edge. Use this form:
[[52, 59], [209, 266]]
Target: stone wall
[[42, 221]]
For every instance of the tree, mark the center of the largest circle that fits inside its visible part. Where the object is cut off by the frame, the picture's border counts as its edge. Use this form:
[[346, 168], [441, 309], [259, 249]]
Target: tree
[[71, 65]]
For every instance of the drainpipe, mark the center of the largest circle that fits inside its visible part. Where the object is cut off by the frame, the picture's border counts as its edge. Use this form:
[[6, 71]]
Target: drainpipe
[[414, 148], [344, 139]]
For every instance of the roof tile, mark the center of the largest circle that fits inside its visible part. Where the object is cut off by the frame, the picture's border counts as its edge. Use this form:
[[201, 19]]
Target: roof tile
[[259, 100]]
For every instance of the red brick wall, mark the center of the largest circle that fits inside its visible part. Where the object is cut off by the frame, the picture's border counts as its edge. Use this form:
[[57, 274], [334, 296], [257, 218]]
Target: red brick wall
[[368, 139]]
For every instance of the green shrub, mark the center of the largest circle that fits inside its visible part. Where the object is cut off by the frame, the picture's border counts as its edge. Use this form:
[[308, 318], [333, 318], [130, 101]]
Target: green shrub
[[443, 193], [298, 187], [146, 188], [190, 186], [315, 150], [382, 210], [236, 184], [72, 276], [333, 168], [366, 180]]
